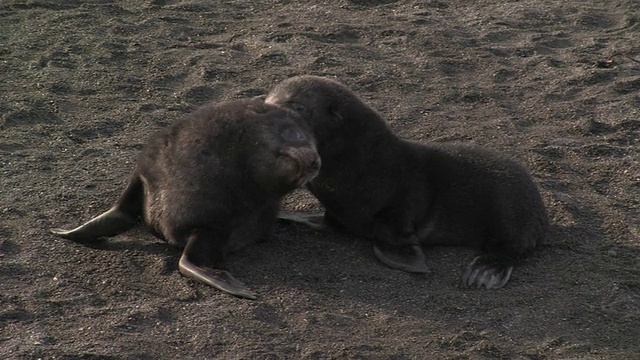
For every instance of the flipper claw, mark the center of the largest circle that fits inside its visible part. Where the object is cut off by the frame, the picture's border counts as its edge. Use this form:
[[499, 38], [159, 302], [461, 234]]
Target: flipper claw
[[485, 271]]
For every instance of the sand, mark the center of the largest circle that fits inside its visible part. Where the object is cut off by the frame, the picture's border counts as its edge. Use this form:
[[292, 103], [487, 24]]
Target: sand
[[555, 84]]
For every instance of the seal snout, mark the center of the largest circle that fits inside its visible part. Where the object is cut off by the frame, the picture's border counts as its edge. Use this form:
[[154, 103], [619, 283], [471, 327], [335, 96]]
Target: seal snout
[[305, 163]]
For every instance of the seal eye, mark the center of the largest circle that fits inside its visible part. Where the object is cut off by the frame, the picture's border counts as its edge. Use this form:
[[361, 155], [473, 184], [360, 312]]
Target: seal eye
[[297, 107], [292, 134]]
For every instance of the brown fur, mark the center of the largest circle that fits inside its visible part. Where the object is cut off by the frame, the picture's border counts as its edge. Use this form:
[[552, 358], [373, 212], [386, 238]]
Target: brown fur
[[211, 183], [404, 195]]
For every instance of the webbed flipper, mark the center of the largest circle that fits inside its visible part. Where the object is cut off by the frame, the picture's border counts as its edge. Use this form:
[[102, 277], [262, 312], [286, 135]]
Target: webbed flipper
[[409, 258], [120, 218], [109, 223], [202, 260], [219, 279]]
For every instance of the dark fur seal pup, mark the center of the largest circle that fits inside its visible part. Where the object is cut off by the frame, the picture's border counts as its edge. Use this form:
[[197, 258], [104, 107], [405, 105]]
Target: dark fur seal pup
[[403, 194], [211, 183]]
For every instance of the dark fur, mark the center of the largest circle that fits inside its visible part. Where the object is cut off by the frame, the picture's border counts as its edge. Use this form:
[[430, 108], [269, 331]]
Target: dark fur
[[403, 194], [212, 183]]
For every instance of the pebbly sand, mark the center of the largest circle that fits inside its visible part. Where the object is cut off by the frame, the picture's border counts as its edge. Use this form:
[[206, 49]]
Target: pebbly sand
[[555, 84]]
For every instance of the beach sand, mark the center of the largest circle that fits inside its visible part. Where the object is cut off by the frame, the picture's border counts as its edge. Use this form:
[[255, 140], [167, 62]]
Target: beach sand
[[555, 84]]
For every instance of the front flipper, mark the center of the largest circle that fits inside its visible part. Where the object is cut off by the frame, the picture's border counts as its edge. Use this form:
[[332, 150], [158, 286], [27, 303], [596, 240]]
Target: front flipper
[[490, 271], [219, 279], [409, 258], [202, 260], [314, 221], [110, 223]]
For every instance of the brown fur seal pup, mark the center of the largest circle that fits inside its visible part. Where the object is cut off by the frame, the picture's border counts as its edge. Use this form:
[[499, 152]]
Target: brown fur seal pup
[[212, 183], [404, 195]]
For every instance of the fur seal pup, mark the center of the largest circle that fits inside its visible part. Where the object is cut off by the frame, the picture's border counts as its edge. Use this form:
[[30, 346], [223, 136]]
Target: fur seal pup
[[212, 183], [404, 195]]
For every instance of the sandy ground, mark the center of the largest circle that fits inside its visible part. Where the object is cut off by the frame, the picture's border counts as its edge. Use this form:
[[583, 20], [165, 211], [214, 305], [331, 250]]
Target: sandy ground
[[555, 84]]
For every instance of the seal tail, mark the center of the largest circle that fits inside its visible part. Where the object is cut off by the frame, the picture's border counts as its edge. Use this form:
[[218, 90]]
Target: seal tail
[[120, 218]]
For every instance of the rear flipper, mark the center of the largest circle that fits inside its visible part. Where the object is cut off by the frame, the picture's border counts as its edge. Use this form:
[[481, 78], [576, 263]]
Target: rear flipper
[[491, 271], [409, 258], [199, 247], [314, 221], [110, 223], [120, 218]]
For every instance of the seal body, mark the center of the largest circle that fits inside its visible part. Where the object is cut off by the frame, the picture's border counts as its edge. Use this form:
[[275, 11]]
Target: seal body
[[211, 184], [404, 195]]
